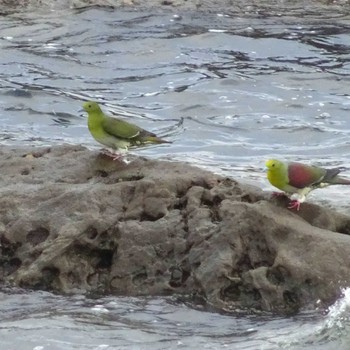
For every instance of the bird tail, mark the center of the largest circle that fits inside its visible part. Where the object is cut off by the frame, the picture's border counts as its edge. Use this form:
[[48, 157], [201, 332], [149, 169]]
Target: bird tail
[[156, 139], [340, 181], [333, 178]]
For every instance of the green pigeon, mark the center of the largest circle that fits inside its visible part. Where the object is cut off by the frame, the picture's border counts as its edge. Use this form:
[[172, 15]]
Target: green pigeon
[[116, 134], [297, 180]]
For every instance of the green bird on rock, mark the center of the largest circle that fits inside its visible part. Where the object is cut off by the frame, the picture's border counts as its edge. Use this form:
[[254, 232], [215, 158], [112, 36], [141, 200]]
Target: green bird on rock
[[116, 134], [297, 180]]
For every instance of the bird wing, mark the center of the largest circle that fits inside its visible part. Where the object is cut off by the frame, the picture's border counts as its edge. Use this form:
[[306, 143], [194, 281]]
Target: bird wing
[[302, 175], [120, 128]]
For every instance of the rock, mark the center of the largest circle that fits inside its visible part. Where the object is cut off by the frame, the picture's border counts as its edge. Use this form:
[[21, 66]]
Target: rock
[[233, 8], [6, 5], [72, 220]]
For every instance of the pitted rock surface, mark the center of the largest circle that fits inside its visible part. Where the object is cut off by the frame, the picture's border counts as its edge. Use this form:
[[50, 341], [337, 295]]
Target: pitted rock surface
[[73, 220]]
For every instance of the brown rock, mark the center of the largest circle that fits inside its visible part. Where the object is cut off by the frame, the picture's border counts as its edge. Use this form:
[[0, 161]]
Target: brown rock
[[74, 220]]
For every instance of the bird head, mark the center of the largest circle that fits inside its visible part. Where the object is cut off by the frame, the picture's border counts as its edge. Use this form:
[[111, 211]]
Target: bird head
[[273, 164], [91, 106]]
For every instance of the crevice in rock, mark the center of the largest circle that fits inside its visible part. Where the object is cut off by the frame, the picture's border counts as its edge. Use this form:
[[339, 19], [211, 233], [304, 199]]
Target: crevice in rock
[[180, 203], [214, 201], [189, 246], [185, 227], [10, 266], [178, 276], [108, 239], [185, 275], [25, 171], [162, 253], [244, 263], [97, 258], [184, 220], [159, 273], [38, 154], [146, 217], [308, 282], [35, 254], [196, 265], [254, 296], [202, 183], [91, 232], [72, 277], [247, 198], [345, 229], [37, 236], [231, 292], [105, 258], [213, 204], [7, 248], [291, 298], [215, 216], [259, 251], [129, 178], [102, 173], [140, 277], [277, 275], [48, 278]]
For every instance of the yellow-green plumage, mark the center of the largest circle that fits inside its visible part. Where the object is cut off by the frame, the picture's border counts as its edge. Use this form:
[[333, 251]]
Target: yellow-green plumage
[[116, 133], [277, 174]]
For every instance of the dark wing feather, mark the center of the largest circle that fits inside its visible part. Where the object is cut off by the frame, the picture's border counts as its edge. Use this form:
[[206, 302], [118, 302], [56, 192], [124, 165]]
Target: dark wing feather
[[331, 174]]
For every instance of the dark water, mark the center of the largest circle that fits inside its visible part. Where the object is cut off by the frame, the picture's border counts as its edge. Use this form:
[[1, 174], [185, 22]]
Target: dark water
[[230, 89]]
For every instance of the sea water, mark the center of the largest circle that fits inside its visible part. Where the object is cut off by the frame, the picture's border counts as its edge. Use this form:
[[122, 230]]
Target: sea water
[[230, 89]]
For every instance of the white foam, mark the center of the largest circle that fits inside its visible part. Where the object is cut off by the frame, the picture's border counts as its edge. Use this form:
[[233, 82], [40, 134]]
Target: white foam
[[338, 310]]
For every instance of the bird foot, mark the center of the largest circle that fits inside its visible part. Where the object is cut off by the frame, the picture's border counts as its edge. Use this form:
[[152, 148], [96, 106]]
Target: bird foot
[[294, 204], [113, 155], [117, 156]]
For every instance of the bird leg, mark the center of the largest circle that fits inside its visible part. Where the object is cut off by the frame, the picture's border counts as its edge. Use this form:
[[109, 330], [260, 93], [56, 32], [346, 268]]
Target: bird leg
[[294, 204], [117, 156], [113, 155], [298, 198], [295, 200]]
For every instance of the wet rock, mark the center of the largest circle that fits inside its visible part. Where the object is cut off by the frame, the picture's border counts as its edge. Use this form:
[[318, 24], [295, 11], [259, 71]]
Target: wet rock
[[75, 221]]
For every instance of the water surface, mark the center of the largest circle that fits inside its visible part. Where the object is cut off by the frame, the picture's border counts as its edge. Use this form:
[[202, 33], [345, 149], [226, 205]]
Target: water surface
[[230, 89], [42, 321]]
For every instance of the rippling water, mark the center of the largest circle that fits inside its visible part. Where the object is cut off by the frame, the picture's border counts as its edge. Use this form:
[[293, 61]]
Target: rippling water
[[230, 89], [40, 321]]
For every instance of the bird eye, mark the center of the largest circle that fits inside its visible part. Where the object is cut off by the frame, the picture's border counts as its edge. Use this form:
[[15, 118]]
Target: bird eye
[[89, 106], [273, 164]]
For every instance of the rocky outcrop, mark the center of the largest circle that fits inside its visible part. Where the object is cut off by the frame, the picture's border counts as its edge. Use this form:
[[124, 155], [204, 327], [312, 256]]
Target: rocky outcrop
[[72, 220], [155, 4], [207, 5], [213, 6]]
